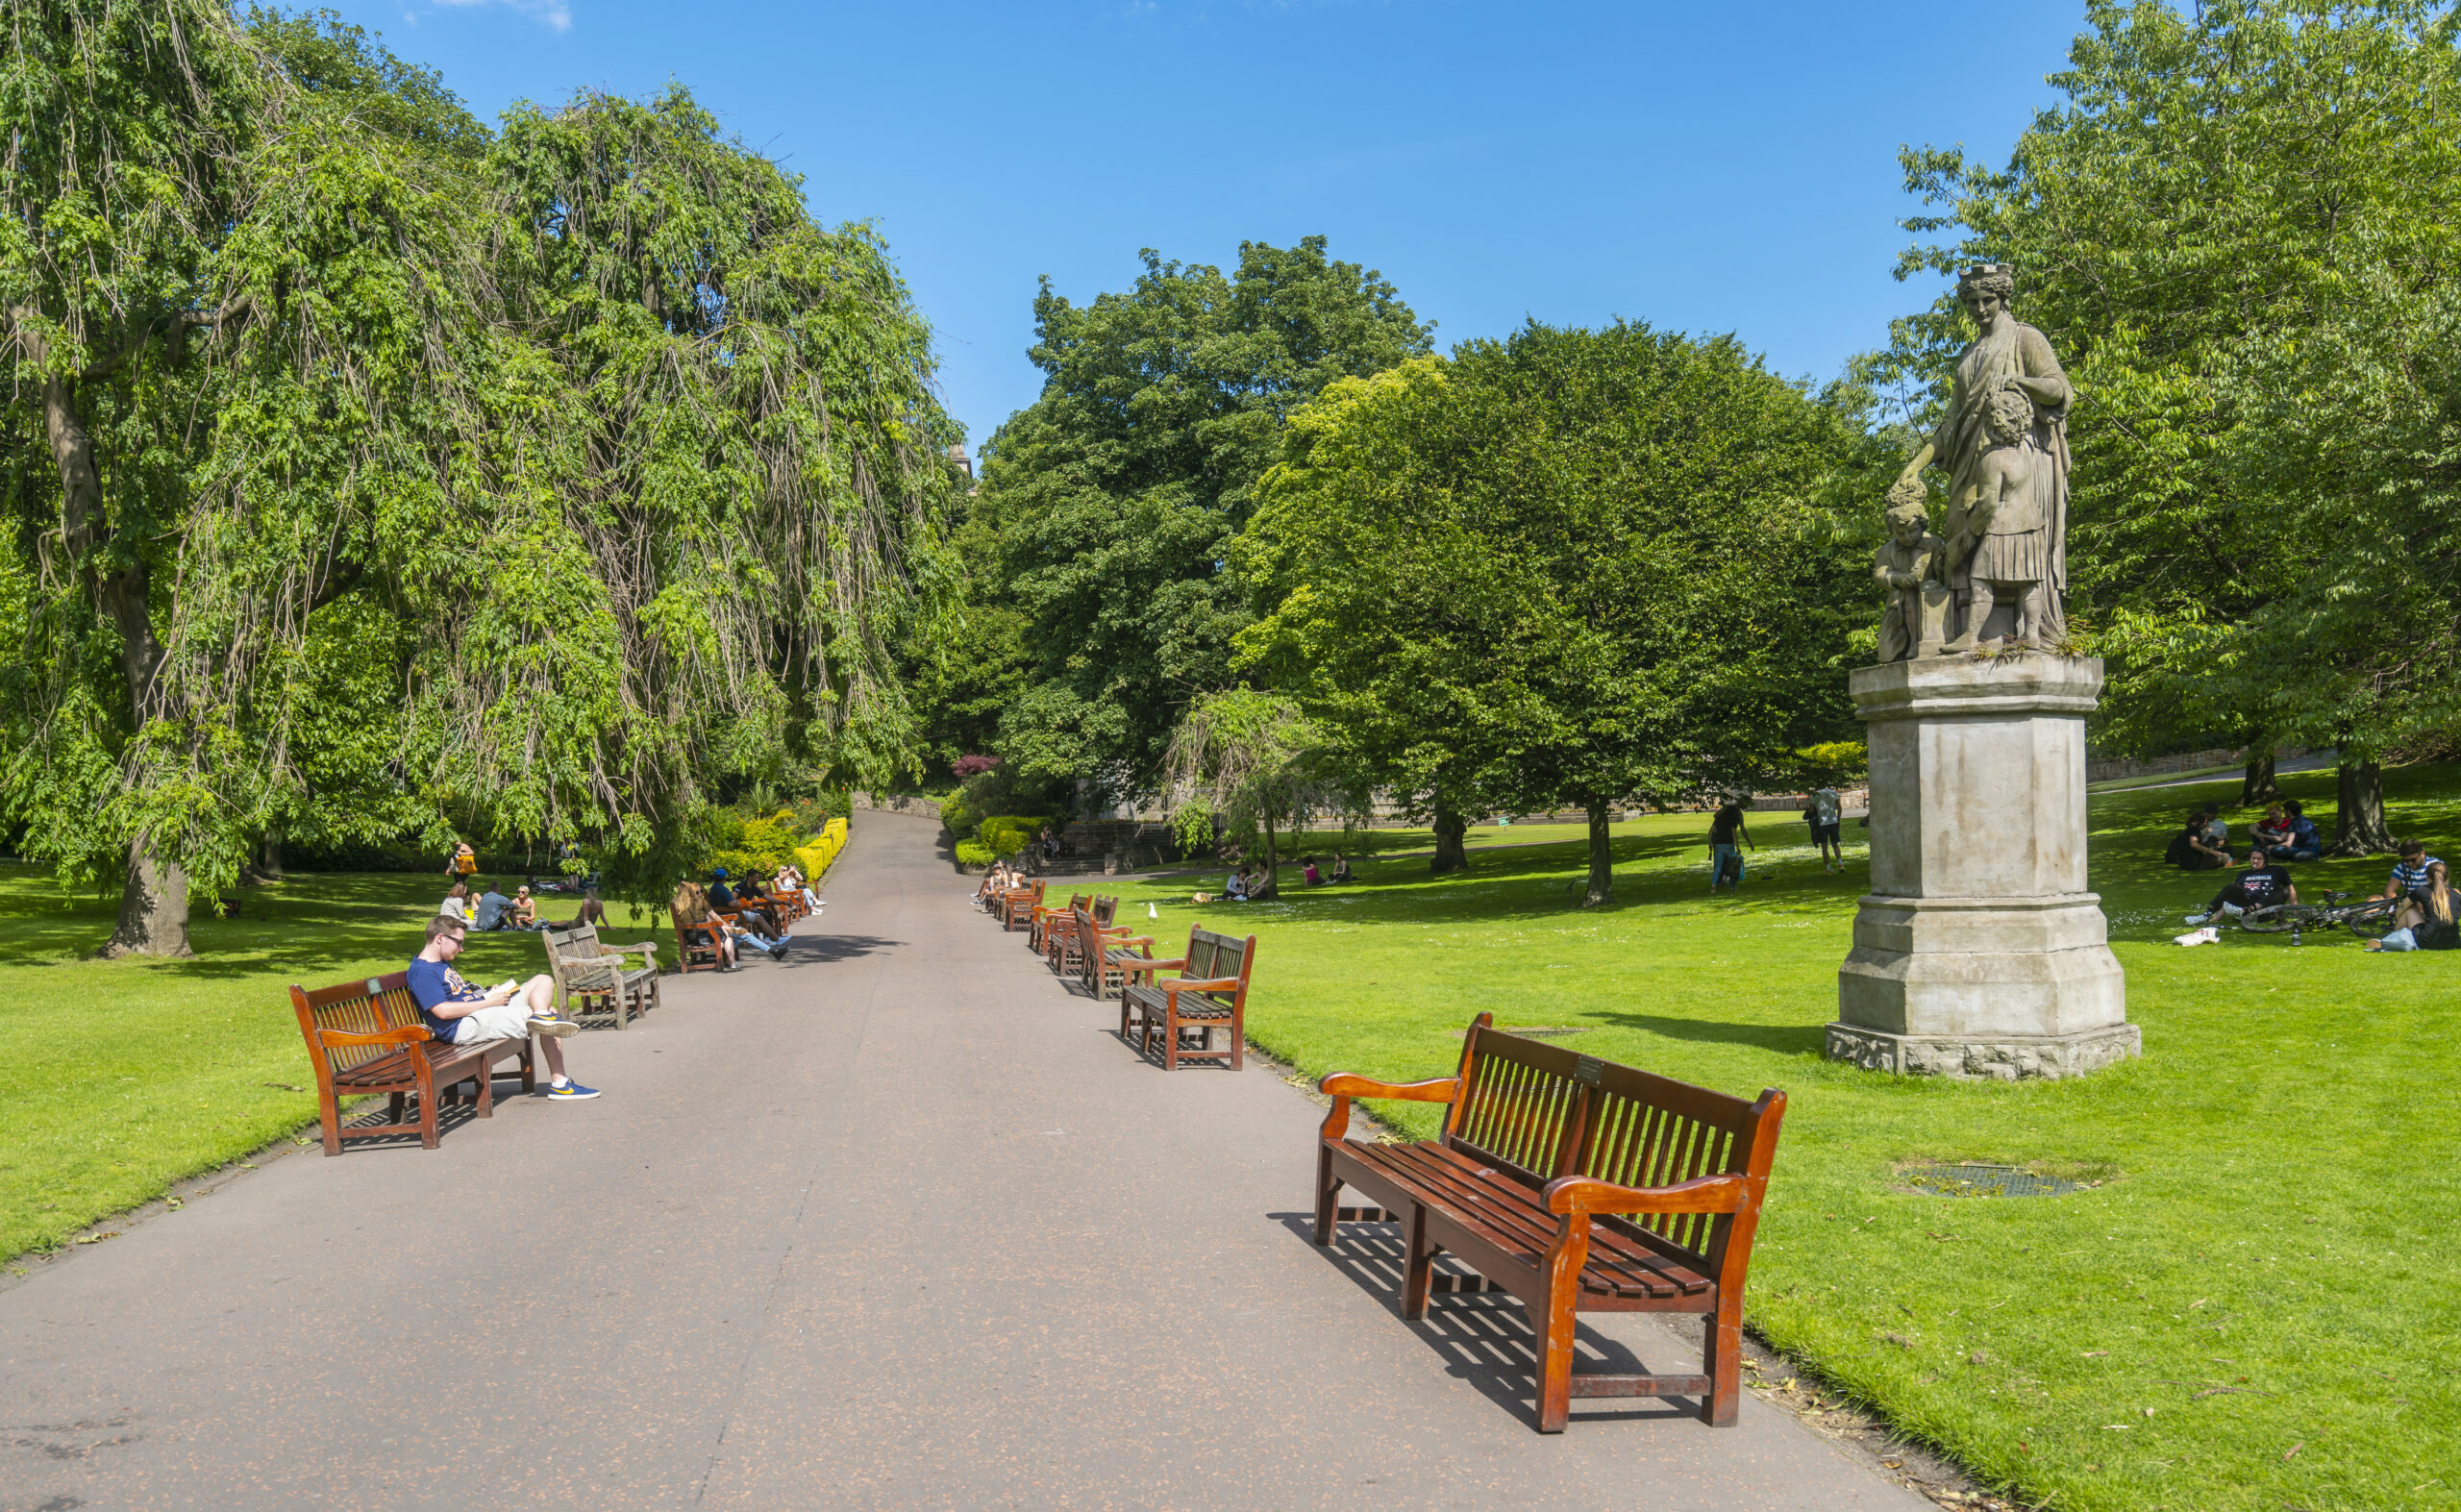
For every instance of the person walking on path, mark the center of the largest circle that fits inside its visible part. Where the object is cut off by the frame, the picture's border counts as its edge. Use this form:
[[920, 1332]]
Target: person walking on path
[[460, 1014], [1822, 810], [1726, 830]]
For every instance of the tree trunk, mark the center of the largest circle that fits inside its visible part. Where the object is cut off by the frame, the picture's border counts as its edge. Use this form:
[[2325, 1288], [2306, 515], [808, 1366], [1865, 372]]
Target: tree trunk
[[1602, 861], [153, 907], [1449, 857], [2257, 787], [2358, 827], [1273, 867]]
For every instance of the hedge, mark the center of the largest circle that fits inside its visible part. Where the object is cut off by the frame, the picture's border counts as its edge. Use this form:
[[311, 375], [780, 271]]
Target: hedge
[[815, 858]]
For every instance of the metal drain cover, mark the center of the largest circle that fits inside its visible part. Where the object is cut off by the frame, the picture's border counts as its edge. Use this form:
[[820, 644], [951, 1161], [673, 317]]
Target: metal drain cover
[[1980, 1180]]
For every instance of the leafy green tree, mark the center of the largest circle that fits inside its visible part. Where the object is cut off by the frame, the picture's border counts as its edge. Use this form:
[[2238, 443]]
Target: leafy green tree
[[344, 498], [2239, 231], [1250, 761], [1115, 495], [1572, 567]]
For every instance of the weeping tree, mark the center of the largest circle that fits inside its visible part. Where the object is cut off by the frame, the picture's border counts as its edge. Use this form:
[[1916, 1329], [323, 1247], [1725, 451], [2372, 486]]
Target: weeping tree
[[369, 475], [1253, 761]]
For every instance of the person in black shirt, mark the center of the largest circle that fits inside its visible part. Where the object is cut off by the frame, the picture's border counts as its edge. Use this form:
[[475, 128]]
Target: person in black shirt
[[1725, 828], [2260, 886]]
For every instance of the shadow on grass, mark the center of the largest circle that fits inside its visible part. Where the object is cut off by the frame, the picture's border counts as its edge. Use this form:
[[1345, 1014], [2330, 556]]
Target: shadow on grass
[[1784, 1039], [1483, 1338]]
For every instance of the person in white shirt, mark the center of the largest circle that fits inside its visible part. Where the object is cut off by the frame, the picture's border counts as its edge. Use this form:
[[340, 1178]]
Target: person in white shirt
[[456, 904]]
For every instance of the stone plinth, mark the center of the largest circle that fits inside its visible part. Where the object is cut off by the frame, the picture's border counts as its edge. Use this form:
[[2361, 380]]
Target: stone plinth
[[1978, 952]]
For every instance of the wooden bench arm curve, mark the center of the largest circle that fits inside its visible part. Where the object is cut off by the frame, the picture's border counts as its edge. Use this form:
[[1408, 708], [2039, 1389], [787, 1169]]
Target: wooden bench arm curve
[[404, 1036], [1342, 1086], [1199, 985], [1707, 1194]]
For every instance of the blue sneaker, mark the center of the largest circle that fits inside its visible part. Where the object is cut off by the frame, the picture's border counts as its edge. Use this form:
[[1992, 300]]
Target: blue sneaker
[[571, 1091]]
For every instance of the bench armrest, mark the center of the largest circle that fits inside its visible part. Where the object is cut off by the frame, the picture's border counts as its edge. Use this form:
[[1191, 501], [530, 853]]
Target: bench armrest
[[1707, 1194], [404, 1036], [1342, 1086], [1124, 941], [646, 947], [1180, 964], [1199, 985]]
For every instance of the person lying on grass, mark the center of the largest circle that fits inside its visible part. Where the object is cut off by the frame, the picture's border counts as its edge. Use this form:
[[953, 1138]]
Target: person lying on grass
[[460, 1014], [2260, 886]]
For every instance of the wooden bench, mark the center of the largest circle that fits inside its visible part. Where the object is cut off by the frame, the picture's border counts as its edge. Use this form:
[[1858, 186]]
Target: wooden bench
[[699, 947], [1064, 952], [1018, 903], [367, 1036], [1106, 956], [1209, 993], [1040, 932], [1577, 1186], [592, 977]]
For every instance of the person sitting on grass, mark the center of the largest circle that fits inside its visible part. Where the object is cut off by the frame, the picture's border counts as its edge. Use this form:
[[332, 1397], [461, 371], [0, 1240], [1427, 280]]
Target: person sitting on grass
[[2409, 874], [490, 914], [525, 910], [1341, 868], [2303, 844], [1236, 888], [460, 1014], [456, 904], [2260, 886], [1310, 875], [2195, 848], [593, 913], [2273, 830], [2426, 918]]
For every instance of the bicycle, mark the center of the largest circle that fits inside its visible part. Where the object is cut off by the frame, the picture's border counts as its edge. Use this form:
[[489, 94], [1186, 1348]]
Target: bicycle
[[2368, 918]]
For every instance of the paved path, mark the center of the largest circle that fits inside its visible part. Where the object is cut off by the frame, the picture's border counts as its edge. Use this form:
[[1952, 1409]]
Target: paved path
[[899, 1225]]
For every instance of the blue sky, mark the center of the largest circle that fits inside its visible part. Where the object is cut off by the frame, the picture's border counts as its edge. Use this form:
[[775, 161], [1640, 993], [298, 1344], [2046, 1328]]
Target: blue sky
[[1703, 167]]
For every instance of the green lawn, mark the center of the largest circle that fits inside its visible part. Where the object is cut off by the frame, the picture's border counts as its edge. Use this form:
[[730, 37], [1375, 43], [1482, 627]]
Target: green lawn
[[119, 1077], [2281, 1201]]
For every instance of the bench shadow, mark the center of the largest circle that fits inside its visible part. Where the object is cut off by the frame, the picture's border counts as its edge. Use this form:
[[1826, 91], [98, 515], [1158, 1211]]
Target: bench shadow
[[1785, 1039], [452, 1115], [809, 950], [1483, 1338]]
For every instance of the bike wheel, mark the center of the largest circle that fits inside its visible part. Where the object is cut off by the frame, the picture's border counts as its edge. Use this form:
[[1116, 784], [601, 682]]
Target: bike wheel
[[2278, 920], [2373, 924]]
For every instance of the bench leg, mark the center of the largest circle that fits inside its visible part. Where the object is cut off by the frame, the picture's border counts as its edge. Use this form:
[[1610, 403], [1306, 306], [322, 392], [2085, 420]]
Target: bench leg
[[1554, 1323], [1722, 1352], [1239, 1037], [1419, 1274], [486, 1088], [1169, 1035], [329, 1114], [428, 1137], [393, 1107], [1329, 1190]]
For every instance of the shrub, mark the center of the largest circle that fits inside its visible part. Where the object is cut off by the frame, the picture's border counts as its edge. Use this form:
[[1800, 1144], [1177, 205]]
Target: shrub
[[957, 816], [974, 852], [761, 843], [1834, 761], [974, 765], [1007, 834]]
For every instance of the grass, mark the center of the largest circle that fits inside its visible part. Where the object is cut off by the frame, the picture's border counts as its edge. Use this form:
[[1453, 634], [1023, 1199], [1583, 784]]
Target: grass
[[120, 1077], [2277, 1213]]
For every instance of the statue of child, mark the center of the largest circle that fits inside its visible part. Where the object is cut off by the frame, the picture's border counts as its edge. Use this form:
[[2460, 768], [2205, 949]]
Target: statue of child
[[2005, 531], [1905, 566]]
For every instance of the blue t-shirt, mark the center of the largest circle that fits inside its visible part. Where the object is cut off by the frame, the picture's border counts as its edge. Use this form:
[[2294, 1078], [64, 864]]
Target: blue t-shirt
[[492, 906], [722, 897], [432, 982], [2303, 834]]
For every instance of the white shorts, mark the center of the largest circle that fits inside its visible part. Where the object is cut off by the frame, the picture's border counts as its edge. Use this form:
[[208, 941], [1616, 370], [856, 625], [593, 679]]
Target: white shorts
[[504, 1021]]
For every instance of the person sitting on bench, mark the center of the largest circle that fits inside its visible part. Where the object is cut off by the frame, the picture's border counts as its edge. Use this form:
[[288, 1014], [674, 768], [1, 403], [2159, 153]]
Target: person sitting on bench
[[751, 902], [460, 1014], [791, 878], [720, 899]]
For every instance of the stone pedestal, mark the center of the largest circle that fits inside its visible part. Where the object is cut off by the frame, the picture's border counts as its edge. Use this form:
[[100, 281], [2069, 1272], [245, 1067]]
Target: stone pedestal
[[1978, 952]]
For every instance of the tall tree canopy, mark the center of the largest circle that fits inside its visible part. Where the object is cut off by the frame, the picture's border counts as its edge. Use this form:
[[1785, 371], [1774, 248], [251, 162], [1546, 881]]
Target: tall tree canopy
[[368, 473], [1572, 567], [1109, 503], [2242, 230]]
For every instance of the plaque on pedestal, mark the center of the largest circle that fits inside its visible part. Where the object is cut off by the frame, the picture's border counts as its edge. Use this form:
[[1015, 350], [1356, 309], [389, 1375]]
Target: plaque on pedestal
[[1978, 952]]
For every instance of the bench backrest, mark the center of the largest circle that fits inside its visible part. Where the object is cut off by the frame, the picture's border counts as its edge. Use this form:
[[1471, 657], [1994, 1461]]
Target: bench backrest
[[1106, 909], [1544, 1111], [1219, 958], [369, 1007]]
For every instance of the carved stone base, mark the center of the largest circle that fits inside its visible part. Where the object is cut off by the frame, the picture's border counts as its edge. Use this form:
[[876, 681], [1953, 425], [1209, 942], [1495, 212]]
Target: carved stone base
[[1999, 1057]]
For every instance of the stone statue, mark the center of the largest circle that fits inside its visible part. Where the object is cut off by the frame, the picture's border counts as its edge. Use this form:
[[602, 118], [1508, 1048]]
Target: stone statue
[[2006, 519], [1908, 566]]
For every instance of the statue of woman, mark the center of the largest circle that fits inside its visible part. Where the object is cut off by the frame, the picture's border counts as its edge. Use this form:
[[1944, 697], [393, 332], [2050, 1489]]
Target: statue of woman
[[2006, 357]]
